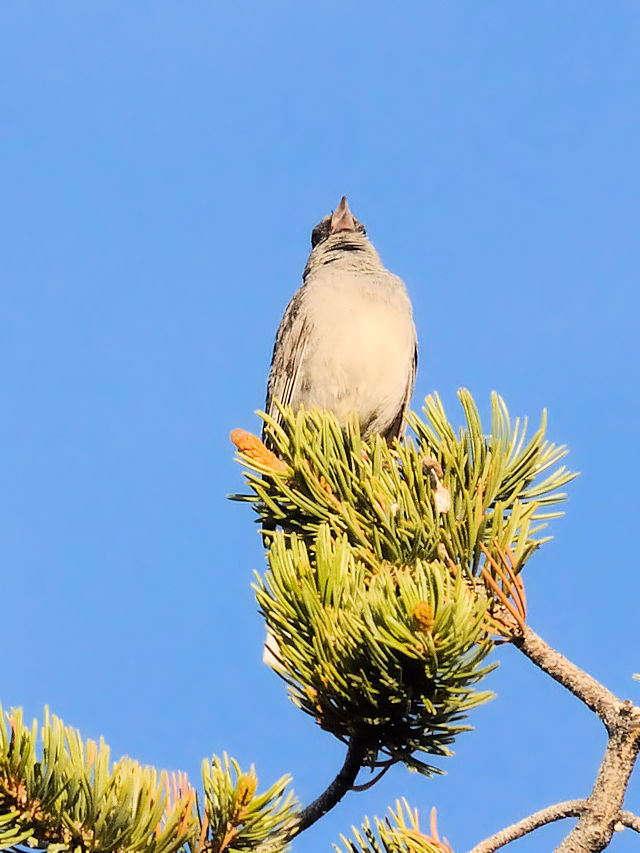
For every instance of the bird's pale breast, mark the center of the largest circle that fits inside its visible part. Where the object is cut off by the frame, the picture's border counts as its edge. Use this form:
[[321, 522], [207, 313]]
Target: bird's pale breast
[[362, 345]]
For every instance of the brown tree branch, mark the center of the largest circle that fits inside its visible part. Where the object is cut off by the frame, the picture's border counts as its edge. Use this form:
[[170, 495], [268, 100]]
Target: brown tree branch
[[602, 811], [630, 820], [325, 802], [559, 811], [595, 695], [601, 814], [337, 789]]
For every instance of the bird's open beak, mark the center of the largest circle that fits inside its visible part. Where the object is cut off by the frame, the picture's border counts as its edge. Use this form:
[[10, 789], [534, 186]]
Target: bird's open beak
[[342, 218]]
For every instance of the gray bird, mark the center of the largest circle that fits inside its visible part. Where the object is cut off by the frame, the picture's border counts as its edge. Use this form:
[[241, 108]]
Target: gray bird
[[347, 341]]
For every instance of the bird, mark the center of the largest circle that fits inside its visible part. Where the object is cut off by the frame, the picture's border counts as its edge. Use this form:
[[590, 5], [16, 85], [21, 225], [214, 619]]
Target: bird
[[347, 341]]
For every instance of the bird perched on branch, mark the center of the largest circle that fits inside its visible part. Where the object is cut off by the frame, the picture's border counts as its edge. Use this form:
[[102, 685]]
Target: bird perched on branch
[[347, 342]]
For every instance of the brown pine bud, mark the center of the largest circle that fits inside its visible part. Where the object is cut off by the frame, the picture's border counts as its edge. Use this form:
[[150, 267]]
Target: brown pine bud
[[251, 447]]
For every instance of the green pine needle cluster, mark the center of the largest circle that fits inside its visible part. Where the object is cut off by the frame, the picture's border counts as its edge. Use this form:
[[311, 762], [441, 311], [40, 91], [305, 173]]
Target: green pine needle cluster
[[504, 488], [62, 794], [391, 656], [238, 818], [375, 619], [398, 833], [382, 496]]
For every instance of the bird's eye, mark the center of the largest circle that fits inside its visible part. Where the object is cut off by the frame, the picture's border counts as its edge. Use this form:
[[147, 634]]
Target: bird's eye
[[320, 232]]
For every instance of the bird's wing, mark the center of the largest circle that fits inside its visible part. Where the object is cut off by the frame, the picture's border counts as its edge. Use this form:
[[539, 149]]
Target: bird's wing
[[288, 353], [397, 428]]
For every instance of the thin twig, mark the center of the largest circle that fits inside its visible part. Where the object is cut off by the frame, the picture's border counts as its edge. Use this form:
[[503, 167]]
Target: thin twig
[[559, 811], [366, 785]]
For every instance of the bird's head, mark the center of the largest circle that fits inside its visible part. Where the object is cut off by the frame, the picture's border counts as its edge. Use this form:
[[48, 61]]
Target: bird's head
[[338, 227], [339, 239]]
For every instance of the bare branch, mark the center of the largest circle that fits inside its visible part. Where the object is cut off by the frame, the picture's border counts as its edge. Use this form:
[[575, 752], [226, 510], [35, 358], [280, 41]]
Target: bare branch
[[366, 785], [602, 810], [337, 789], [600, 815], [630, 820], [559, 811], [325, 802], [595, 695]]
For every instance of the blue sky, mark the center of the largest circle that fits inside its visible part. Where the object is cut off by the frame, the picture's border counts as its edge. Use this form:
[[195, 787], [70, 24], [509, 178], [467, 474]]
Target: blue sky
[[162, 167]]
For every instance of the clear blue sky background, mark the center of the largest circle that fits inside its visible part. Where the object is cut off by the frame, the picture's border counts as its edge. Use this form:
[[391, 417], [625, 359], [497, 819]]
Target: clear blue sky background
[[162, 166]]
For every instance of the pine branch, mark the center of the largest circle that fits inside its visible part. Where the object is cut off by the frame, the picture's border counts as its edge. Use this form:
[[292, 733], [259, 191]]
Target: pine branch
[[601, 813], [386, 498], [602, 810], [559, 811], [400, 832], [337, 789], [72, 798], [393, 568], [236, 816], [392, 658], [595, 695], [324, 803], [374, 617]]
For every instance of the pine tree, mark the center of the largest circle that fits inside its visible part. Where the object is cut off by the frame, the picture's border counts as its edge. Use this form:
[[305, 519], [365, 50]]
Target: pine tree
[[393, 572]]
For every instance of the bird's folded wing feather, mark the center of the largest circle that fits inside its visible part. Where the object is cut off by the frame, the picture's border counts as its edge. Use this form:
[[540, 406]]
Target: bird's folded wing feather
[[288, 354], [399, 425]]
